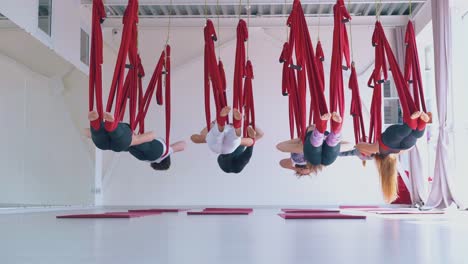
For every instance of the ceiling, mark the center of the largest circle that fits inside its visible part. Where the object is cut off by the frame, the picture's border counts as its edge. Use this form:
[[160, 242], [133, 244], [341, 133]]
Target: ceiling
[[224, 8]]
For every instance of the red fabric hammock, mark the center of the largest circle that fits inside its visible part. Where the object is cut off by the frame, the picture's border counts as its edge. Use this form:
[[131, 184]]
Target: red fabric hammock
[[413, 68], [240, 70], [307, 71], [214, 74], [95, 62], [383, 52], [340, 49], [117, 90], [158, 82], [356, 107], [249, 105]]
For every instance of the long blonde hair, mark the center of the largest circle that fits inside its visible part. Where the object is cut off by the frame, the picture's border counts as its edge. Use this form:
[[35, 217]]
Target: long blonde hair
[[387, 167]]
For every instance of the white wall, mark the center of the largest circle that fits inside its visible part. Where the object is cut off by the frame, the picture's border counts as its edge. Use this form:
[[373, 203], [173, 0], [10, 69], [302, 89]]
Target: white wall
[[195, 178], [68, 17], [43, 159]]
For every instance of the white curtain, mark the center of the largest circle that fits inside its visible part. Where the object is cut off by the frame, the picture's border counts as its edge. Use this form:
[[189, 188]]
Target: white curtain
[[442, 194], [414, 166]]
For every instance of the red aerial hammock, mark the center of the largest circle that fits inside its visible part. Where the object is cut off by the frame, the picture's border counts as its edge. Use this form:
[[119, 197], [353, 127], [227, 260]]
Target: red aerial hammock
[[340, 50], [214, 75], [383, 53], [117, 90], [356, 103], [413, 70], [307, 70], [96, 60]]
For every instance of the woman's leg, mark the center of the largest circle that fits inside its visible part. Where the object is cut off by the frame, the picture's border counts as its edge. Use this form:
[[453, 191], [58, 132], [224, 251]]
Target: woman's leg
[[395, 134], [313, 147]]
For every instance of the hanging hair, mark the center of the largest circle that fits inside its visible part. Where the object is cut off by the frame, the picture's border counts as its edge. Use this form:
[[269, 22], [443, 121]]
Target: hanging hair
[[387, 167], [165, 164]]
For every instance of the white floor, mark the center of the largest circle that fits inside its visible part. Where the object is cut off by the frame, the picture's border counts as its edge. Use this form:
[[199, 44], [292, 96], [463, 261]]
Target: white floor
[[262, 237]]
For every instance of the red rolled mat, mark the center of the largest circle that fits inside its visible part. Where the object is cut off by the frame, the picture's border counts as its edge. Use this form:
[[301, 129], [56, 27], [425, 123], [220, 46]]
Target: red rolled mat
[[155, 210], [305, 211], [229, 209], [321, 216], [395, 212], [218, 212], [358, 206]]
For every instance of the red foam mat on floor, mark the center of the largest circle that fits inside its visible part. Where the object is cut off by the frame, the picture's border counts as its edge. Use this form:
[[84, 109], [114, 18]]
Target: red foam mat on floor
[[218, 212], [155, 210], [105, 215], [229, 209], [321, 216], [406, 212], [358, 206], [305, 211]]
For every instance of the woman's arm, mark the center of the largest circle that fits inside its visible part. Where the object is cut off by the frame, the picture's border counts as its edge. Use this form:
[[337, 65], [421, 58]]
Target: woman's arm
[[143, 138], [368, 149], [179, 146], [287, 164], [291, 146]]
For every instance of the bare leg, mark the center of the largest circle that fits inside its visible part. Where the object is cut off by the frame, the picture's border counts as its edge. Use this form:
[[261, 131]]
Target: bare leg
[[416, 115], [247, 142], [179, 146], [92, 116], [425, 117], [237, 116], [336, 117], [291, 146], [143, 138], [224, 112], [258, 133], [108, 117]]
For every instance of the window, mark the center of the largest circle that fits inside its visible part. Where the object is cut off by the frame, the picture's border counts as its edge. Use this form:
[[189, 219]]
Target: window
[[45, 16], [391, 105], [84, 47]]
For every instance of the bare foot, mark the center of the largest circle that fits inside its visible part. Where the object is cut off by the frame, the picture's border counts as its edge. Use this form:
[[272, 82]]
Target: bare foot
[[93, 115], [336, 117], [237, 115], [225, 111], [197, 139], [109, 117], [326, 116], [416, 115], [425, 117], [251, 132]]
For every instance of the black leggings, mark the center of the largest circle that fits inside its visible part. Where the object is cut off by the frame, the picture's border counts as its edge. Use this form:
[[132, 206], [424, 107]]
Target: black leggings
[[118, 140], [321, 155], [236, 161], [401, 137]]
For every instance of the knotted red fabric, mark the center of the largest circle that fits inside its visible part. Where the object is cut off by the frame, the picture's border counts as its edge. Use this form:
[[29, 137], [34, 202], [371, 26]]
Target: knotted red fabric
[[307, 72], [356, 107], [383, 52], [340, 49], [249, 115], [214, 74], [117, 91], [413, 72], [95, 62], [239, 70], [159, 80]]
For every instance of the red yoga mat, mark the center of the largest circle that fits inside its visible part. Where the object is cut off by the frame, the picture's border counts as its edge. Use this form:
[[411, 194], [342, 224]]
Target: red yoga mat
[[218, 212], [305, 211], [155, 210], [106, 215], [321, 216], [228, 209], [358, 206], [402, 212]]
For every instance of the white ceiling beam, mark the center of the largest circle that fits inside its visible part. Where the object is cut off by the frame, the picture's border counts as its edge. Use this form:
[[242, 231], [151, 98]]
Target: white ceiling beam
[[253, 2], [264, 21]]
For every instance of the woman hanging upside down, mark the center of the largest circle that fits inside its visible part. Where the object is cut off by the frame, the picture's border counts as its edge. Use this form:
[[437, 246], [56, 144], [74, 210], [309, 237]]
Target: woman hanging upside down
[[297, 162], [320, 149], [396, 139], [234, 151], [144, 147]]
